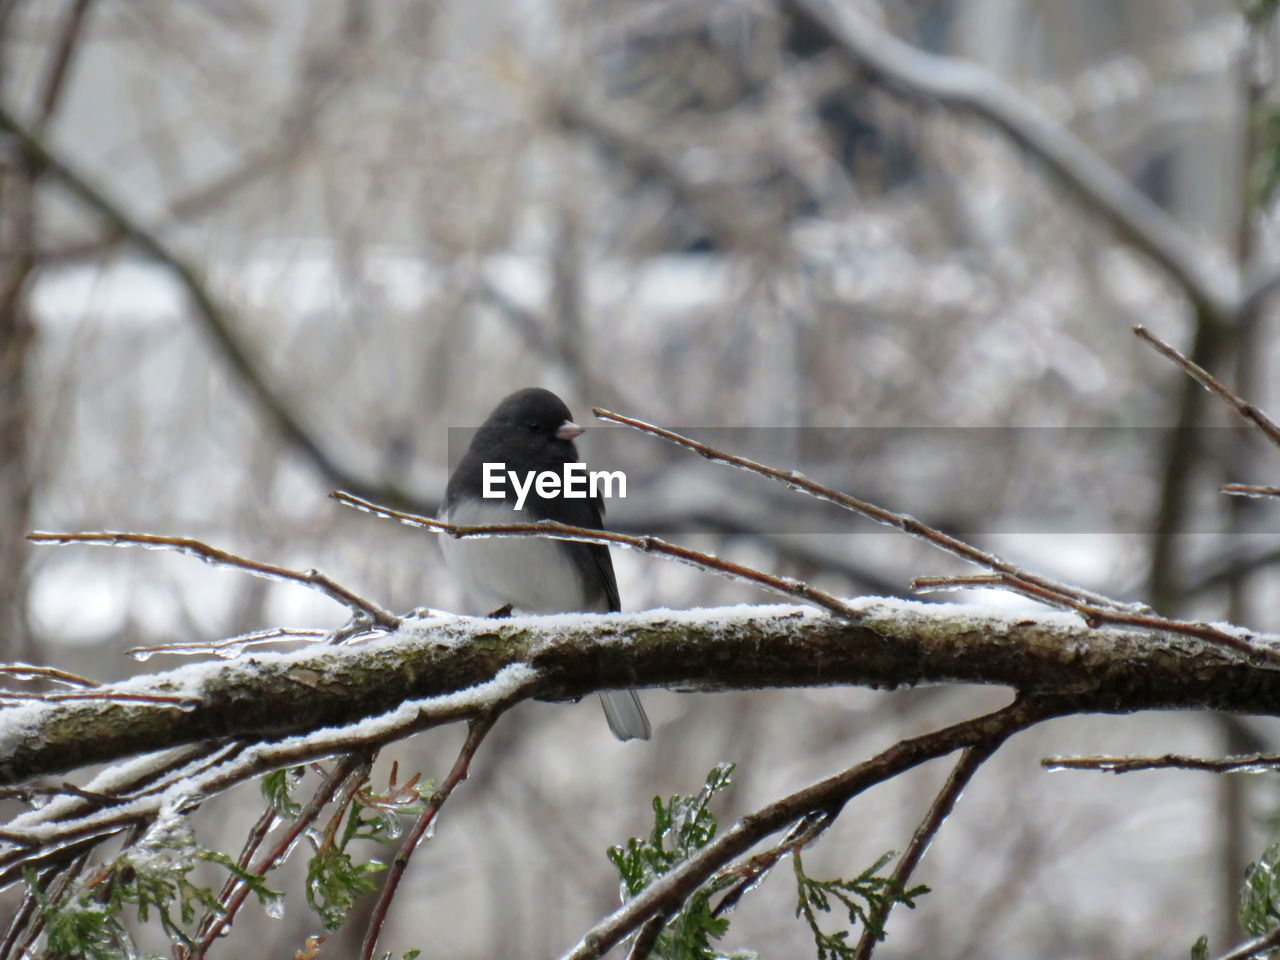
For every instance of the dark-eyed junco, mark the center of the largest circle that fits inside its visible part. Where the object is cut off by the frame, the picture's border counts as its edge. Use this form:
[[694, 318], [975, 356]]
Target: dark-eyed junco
[[530, 432]]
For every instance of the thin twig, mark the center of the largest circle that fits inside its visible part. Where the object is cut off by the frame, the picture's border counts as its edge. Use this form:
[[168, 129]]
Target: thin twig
[[95, 797], [1259, 947], [353, 765], [666, 893], [563, 531], [59, 66], [750, 871], [1211, 383], [1249, 763], [231, 646], [1094, 608], [900, 521], [1249, 490], [476, 732], [252, 761], [27, 671], [159, 699], [53, 885], [647, 938], [252, 843], [202, 551], [970, 760]]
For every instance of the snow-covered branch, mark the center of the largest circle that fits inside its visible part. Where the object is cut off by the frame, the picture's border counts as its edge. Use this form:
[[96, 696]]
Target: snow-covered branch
[[266, 697]]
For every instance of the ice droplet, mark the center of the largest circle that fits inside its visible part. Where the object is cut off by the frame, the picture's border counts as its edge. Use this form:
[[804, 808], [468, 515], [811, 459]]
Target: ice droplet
[[273, 906], [142, 656]]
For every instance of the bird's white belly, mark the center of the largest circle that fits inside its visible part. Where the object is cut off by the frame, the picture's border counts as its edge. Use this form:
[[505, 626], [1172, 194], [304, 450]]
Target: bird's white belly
[[532, 574]]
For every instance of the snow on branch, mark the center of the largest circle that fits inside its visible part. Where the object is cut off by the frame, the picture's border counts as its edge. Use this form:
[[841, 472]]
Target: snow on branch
[[266, 697]]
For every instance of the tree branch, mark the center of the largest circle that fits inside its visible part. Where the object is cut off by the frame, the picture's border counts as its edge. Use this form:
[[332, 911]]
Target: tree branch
[[666, 893], [476, 733], [265, 696], [1253, 763], [970, 760], [1255, 415], [202, 551], [1094, 608]]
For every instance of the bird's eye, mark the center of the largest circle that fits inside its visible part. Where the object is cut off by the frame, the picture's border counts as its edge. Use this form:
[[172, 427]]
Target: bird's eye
[[531, 426]]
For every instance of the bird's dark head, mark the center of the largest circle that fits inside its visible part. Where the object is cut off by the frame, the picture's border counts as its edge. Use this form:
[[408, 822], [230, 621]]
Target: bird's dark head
[[533, 418]]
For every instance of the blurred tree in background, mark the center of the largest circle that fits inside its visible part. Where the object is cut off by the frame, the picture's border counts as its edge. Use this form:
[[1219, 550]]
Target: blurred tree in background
[[710, 215]]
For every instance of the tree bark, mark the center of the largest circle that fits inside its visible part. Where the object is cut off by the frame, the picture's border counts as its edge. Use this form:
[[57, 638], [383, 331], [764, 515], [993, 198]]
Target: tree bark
[[264, 697]]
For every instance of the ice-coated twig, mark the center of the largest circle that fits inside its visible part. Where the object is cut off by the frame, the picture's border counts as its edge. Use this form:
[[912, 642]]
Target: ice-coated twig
[[752, 870], [1200, 375], [476, 732], [563, 531], [27, 671], [1259, 947], [900, 521], [202, 551], [1249, 763], [970, 760], [39, 831], [1249, 490], [667, 892], [1095, 608], [231, 646], [352, 767], [159, 699], [1251, 413]]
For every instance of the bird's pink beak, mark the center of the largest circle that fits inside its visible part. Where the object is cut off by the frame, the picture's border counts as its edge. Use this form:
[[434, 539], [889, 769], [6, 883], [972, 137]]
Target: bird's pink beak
[[568, 430]]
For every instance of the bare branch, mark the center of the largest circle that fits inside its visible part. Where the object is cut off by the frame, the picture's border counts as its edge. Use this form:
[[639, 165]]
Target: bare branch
[[202, 551], [59, 66], [476, 733], [158, 699], [1259, 947], [351, 767], [1211, 383], [1253, 763], [1261, 655], [750, 871], [47, 829], [1249, 490], [785, 586], [669, 891], [972, 758], [900, 521], [229, 647], [886, 644], [26, 671], [1094, 608]]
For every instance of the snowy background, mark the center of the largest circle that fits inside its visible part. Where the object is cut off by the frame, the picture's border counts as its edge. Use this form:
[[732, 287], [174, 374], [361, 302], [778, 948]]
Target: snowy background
[[690, 212]]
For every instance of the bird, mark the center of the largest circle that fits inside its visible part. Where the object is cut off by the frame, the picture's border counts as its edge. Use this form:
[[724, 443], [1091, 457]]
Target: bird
[[531, 431]]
